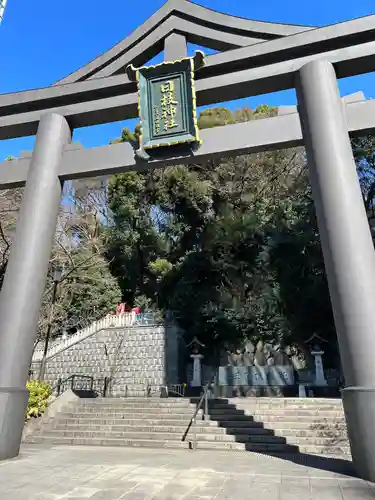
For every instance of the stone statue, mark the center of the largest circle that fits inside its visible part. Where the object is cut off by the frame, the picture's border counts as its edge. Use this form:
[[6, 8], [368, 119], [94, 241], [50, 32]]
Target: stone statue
[[260, 358], [230, 360], [248, 358], [281, 358], [249, 347], [270, 360], [235, 358], [269, 354], [248, 355]]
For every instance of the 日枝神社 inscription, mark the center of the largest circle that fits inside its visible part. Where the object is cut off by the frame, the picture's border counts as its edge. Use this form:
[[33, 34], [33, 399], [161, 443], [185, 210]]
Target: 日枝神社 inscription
[[167, 110], [167, 104]]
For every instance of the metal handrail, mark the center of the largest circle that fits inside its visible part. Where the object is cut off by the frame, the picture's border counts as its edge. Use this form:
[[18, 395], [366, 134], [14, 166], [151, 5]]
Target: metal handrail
[[203, 399], [176, 389], [167, 390], [61, 382], [70, 383]]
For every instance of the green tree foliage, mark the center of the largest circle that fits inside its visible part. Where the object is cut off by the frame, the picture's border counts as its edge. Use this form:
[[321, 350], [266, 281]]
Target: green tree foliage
[[132, 241], [231, 246], [364, 155], [296, 262]]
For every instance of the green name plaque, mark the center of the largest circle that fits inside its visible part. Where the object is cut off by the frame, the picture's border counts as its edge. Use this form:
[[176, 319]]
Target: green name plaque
[[167, 105]]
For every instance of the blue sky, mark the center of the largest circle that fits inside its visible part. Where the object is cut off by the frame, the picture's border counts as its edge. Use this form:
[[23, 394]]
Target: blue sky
[[42, 41]]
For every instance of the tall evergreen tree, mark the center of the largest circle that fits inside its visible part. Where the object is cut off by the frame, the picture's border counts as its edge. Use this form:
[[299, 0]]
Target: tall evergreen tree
[[231, 246]]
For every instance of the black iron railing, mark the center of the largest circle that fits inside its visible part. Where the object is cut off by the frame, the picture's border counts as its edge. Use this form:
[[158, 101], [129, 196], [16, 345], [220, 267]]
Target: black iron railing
[[82, 384], [149, 390], [202, 403], [166, 390], [176, 390]]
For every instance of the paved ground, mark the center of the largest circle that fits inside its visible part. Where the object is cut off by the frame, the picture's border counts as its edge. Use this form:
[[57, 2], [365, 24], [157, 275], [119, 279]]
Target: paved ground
[[81, 473]]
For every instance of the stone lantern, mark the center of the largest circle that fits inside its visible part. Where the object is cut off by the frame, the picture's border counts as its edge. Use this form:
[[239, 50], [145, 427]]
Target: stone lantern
[[197, 357], [317, 352]]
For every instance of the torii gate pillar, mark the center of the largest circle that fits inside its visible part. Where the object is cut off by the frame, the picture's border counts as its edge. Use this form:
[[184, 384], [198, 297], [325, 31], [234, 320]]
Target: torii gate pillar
[[347, 248], [25, 277]]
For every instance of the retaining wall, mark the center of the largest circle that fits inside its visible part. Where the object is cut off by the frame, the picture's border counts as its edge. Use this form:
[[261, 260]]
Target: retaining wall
[[134, 357]]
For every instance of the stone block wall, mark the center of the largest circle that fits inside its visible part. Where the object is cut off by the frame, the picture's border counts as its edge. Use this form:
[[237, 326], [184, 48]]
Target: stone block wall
[[134, 357]]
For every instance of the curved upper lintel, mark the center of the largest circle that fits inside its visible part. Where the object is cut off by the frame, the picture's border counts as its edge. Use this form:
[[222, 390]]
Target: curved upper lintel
[[140, 53], [215, 20], [240, 24]]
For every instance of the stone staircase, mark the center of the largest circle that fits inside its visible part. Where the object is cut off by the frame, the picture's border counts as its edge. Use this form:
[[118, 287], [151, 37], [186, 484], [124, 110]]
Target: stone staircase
[[314, 425], [264, 425]]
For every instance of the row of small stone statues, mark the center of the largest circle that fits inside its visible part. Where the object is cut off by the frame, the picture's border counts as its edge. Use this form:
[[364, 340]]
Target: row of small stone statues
[[261, 354]]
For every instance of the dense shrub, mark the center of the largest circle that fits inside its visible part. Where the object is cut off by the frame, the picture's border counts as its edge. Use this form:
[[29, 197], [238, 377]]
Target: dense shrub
[[38, 398]]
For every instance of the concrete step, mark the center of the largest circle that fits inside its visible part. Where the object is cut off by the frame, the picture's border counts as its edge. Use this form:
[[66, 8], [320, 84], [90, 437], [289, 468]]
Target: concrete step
[[107, 421], [292, 435], [151, 410], [231, 417], [311, 433], [131, 415], [281, 401], [335, 450], [293, 416], [165, 403], [172, 433], [279, 413], [306, 424], [130, 405], [264, 403], [267, 421], [164, 436], [136, 399], [137, 409], [163, 428], [276, 401], [317, 440], [252, 447], [281, 426], [270, 419], [281, 409], [204, 445]]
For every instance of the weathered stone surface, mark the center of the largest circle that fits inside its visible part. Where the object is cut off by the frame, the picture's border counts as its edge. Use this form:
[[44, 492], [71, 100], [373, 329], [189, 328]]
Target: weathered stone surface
[[97, 473], [135, 357], [263, 425]]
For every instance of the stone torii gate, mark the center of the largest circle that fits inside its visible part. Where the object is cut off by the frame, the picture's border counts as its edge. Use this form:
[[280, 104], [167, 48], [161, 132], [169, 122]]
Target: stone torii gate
[[305, 58]]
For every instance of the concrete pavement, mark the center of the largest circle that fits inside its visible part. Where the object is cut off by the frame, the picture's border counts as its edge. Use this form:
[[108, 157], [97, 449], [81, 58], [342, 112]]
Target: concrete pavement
[[99, 473]]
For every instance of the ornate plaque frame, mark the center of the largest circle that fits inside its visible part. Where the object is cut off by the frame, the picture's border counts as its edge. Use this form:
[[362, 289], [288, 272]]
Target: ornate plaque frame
[[167, 104]]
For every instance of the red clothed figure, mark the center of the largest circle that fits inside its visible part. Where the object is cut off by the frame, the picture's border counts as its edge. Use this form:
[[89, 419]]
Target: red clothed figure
[[120, 308]]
